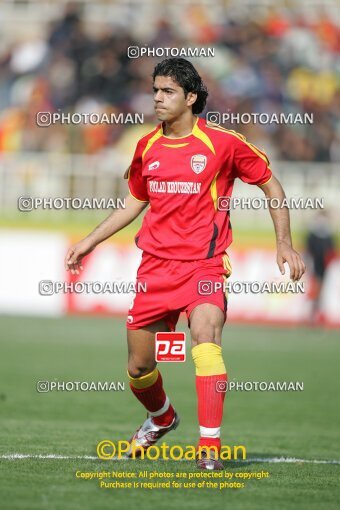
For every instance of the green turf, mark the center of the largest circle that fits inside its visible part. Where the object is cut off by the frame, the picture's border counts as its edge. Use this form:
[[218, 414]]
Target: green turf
[[270, 424]]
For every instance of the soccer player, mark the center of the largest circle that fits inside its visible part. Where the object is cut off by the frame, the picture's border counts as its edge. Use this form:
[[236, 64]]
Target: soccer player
[[178, 171], [321, 248]]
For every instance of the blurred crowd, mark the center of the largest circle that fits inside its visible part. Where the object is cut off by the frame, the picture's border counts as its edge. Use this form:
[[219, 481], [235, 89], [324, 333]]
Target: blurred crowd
[[271, 63]]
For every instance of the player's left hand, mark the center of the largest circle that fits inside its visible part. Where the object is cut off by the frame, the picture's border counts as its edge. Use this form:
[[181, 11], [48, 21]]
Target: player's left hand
[[285, 253]]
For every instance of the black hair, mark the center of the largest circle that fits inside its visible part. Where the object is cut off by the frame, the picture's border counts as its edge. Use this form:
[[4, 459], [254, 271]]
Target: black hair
[[184, 73]]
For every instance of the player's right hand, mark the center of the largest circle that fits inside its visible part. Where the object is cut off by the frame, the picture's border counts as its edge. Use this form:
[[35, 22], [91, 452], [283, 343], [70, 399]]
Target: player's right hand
[[76, 254]]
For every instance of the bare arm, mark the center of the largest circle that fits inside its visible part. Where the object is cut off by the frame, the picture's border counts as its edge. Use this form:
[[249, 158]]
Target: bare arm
[[280, 217], [117, 220]]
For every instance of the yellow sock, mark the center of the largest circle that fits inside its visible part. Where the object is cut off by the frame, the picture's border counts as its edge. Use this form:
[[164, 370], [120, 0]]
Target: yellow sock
[[145, 381], [208, 359]]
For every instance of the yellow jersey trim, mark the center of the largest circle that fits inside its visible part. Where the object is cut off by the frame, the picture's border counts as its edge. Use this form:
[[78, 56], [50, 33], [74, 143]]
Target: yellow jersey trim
[[227, 266], [138, 200], [243, 139], [226, 263], [270, 178], [198, 133], [152, 140], [175, 146]]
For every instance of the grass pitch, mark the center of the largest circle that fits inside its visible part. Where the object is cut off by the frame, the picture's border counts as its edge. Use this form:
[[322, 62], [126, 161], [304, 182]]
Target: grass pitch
[[299, 425]]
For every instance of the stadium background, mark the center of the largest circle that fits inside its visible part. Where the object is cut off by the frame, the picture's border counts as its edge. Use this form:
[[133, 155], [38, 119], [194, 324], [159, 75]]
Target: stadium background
[[72, 57]]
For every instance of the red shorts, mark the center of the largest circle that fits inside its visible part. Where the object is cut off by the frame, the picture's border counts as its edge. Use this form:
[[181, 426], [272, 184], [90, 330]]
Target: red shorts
[[174, 286]]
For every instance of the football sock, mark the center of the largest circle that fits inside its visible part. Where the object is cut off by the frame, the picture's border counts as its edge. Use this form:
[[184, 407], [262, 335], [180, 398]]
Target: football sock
[[149, 391], [210, 369]]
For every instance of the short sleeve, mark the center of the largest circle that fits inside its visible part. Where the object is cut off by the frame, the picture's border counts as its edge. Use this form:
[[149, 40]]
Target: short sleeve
[[250, 164], [136, 182]]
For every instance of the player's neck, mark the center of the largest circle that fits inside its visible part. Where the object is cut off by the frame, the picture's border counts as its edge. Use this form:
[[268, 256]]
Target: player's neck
[[179, 128]]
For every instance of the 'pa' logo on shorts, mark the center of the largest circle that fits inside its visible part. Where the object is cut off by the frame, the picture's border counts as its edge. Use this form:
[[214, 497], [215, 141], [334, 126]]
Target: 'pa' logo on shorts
[[170, 346], [198, 163]]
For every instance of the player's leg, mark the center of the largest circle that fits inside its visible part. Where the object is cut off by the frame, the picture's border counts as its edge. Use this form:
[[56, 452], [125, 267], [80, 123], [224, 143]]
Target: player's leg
[[206, 324], [145, 379], [147, 385]]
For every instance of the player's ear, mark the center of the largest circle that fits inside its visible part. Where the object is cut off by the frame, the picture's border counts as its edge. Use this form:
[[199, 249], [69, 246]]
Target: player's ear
[[191, 98], [126, 173]]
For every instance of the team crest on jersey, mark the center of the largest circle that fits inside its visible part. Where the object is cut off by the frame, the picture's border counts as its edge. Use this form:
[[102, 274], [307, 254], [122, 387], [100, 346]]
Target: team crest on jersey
[[198, 163]]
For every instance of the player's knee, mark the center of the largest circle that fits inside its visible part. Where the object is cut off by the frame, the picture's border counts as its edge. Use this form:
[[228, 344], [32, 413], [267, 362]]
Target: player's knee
[[199, 336], [206, 332], [139, 369], [206, 323]]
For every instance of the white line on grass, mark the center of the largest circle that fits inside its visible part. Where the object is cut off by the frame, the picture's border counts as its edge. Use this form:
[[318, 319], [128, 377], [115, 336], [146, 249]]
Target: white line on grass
[[264, 460]]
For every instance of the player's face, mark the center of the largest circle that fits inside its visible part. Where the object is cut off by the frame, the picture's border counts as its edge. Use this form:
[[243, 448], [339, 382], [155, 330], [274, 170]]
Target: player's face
[[170, 102]]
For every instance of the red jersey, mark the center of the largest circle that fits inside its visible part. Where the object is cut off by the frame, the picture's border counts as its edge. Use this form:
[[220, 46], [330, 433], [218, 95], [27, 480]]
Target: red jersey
[[182, 179]]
